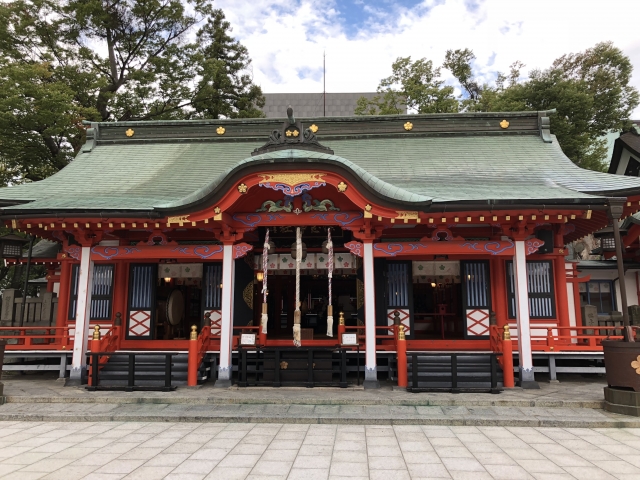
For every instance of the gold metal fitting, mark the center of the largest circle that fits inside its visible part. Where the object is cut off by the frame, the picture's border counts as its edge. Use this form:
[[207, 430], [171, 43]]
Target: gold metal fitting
[[313, 128], [401, 335], [242, 188], [96, 332], [129, 133], [341, 319], [220, 130], [504, 124], [194, 332], [507, 333], [408, 126], [342, 187]]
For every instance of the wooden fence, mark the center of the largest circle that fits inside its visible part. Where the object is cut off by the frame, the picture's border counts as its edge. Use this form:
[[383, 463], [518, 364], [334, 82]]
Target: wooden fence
[[40, 311]]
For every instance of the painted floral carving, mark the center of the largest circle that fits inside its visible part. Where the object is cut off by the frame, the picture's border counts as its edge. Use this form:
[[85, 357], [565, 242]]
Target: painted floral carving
[[636, 365]]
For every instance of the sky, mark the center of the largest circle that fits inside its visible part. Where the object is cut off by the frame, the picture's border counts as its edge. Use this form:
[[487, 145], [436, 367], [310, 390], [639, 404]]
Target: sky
[[361, 38]]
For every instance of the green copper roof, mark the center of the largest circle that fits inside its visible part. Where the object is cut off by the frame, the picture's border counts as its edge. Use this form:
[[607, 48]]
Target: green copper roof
[[170, 165]]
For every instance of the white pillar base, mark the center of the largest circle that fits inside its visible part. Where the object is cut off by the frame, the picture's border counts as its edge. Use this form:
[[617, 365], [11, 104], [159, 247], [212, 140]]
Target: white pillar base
[[527, 380], [224, 377], [77, 377], [371, 378]]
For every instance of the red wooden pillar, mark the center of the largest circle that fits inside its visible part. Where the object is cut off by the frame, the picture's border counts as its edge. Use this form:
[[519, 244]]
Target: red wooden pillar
[[562, 299], [120, 290], [63, 295], [500, 292], [576, 296], [51, 279]]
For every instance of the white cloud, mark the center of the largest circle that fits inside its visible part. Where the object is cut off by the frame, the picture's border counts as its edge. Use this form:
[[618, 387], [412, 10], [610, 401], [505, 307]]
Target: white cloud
[[286, 38]]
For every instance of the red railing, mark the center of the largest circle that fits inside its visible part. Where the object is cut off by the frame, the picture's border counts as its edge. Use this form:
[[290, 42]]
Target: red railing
[[389, 332], [36, 338], [110, 342], [501, 344], [244, 329], [198, 346], [575, 339]]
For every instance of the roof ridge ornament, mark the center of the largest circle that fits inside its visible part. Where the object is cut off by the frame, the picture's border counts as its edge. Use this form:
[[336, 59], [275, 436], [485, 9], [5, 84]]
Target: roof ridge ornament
[[292, 134], [544, 125]]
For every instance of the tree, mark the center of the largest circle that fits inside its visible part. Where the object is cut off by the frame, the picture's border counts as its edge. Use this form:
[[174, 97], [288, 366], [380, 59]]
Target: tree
[[225, 88], [66, 61], [590, 91], [415, 84]]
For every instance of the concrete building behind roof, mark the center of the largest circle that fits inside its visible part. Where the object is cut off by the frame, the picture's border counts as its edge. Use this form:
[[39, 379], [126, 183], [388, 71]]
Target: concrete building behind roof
[[311, 104]]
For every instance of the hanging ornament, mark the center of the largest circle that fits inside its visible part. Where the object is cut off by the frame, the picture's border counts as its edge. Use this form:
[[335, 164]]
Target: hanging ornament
[[264, 319], [330, 275], [297, 315], [294, 250]]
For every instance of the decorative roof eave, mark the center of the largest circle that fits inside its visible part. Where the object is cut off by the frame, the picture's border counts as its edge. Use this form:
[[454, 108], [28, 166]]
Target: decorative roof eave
[[304, 158]]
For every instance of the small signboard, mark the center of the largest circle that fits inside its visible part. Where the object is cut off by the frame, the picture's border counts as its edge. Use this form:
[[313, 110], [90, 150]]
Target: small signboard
[[349, 339], [248, 339]]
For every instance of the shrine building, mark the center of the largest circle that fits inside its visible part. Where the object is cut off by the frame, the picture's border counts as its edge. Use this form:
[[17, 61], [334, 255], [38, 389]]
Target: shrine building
[[451, 225]]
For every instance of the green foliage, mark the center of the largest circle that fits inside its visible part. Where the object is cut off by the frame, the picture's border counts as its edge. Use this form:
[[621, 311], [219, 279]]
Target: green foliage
[[415, 84], [225, 88], [590, 91], [63, 62]]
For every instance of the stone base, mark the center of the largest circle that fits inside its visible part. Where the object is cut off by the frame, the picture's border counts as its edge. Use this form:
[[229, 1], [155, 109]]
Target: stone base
[[222, 383], [371, 378], [1, 388], [529, 385], [72, 382], [528, 380], [624, 402]]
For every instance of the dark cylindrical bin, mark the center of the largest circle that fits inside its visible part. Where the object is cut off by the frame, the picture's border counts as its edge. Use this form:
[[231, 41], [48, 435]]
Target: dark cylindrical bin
[[2, 344]]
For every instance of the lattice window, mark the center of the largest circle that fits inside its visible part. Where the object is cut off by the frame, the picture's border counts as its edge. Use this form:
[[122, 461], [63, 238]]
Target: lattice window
[[101, 293], [542, 303]]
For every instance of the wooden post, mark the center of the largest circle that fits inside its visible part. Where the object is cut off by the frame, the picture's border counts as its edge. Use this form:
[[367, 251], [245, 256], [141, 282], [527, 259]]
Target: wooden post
[[500, 288], [401, 353], [371, 370], [341, 327], [10, 298], [507, 359], [192, 378], [46, 310], [562, 298], [117, 325], [262, 337], [95, 342], [527, 377], [226, 320], [63, 295], [83, 312], [94, 347]]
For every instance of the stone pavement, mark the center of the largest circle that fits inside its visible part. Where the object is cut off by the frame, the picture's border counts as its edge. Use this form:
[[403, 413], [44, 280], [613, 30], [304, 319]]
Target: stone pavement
[[194, 451], [568, 404], [572, 391]]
